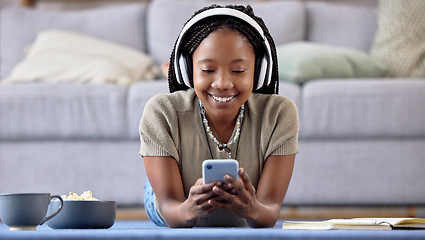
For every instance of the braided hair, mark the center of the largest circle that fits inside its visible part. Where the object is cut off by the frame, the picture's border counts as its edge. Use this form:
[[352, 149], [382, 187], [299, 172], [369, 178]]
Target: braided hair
[[198, 32]]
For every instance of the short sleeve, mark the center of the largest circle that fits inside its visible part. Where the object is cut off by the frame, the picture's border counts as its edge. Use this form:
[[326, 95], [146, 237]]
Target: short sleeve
[[158, 128], [283, 115]]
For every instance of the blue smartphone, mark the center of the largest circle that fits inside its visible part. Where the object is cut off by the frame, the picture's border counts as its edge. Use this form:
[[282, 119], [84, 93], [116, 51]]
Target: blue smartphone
[[215, 169]]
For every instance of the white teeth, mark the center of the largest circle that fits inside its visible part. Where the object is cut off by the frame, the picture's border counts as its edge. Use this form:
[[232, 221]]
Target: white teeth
[[221, 99]]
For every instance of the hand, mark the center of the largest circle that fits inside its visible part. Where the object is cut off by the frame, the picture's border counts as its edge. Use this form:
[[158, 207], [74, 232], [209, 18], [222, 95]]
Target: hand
[[240, 199], [197, 204], [226, 187]]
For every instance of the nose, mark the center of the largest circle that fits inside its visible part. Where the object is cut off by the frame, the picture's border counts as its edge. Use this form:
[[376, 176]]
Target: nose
[[223, 81]]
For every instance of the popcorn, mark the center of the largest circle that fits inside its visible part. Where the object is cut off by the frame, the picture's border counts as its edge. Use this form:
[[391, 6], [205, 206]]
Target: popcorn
[[85, 196]]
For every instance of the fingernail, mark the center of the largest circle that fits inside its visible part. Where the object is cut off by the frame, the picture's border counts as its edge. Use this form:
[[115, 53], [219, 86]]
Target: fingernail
[[219, 183]]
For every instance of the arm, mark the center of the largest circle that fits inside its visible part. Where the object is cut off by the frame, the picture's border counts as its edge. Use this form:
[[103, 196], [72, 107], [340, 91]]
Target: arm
[[260, 208], [164, 175]]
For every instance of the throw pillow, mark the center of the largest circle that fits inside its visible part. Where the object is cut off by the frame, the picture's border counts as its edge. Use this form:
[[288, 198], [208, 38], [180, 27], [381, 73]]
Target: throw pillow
[[123, 24], [303, 61], [61, 56], [400, 40]]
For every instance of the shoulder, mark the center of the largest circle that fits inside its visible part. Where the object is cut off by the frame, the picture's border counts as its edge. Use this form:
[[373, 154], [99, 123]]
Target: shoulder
[[180, 101], [276, 117], [271, 104], [272, 111]]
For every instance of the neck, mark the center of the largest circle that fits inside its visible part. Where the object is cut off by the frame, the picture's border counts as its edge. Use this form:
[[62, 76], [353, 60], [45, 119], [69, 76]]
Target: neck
[[222, 127]]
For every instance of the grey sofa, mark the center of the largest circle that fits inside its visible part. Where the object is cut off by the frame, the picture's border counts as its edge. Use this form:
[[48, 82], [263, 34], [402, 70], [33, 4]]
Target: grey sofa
[[362, 141]]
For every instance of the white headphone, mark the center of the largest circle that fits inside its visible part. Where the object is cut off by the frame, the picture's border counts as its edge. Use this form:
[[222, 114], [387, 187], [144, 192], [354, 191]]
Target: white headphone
[[180, 67]]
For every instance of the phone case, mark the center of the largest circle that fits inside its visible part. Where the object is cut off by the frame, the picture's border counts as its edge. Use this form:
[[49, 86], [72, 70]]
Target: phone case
[[215, 169]]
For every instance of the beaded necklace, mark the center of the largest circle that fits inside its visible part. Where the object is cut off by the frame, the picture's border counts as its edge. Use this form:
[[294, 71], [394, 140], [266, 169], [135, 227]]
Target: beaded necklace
[[211, 133]]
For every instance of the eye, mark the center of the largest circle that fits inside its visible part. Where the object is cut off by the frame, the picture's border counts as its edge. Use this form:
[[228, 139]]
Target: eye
[[239, 70], [207, 70]]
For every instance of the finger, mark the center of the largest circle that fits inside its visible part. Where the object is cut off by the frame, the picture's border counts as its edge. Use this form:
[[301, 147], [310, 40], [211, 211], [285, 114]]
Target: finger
[[227, 187], [218, 198], [243, 187], [235, 184], [219, 204], [228, 203], [246, 181], [203, 192], [199, 182], [206, 209], [204, 188], [201, 200], [226, 197]]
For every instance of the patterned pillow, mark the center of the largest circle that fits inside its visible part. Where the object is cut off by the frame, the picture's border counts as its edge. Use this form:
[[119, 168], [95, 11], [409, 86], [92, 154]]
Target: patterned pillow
[[400, 40]]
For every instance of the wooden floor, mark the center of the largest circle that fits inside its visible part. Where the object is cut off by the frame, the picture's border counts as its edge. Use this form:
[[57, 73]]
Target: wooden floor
[[306, 212]]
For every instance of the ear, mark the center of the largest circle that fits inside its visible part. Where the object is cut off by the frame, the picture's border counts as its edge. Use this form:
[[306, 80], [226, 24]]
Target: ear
[[261, 72], [185, 64]]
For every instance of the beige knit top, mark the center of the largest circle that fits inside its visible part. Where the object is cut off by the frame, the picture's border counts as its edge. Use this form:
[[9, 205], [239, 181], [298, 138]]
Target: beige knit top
[[171, 126]]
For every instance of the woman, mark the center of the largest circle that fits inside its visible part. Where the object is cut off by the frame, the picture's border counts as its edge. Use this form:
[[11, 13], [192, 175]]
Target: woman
[[223, 103]]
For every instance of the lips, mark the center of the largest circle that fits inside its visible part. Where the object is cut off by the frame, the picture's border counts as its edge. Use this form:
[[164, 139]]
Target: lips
[[223, 99]]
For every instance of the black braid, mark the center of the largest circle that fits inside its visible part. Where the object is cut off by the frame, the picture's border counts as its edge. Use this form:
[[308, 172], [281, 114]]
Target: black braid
[[197, 33]]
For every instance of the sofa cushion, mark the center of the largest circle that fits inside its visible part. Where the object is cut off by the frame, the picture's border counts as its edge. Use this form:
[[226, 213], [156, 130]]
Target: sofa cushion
[[111, 169], [63, 56], [291, 91], [18, 28], [44, 111], [138, 96], [366, 109], [303, 61], [341, 25], [400, 40], [285, 20], [358, 172]]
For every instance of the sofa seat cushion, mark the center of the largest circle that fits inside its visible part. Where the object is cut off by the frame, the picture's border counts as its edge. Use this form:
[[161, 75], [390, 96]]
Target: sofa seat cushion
[[165, 19], [45, 111], [352, 172], [112, 170], [368, 108], [18, 28]]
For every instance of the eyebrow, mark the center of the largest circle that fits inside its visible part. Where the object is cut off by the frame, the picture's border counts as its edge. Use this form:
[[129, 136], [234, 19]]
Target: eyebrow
[[212, 60]]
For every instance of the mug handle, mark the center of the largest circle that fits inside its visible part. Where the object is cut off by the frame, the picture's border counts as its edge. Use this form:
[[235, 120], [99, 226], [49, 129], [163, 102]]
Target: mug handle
[[55, 213]]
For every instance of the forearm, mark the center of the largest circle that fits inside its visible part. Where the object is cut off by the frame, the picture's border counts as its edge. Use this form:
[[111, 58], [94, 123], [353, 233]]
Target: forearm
[[271, 191], [176, 215], [264, 216]]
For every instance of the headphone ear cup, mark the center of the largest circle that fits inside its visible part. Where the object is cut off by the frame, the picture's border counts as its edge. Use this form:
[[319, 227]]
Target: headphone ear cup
[[185, 69], [263, 73]]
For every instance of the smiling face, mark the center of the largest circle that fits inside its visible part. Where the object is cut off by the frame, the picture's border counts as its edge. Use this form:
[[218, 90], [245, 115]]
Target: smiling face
[[223, 73]]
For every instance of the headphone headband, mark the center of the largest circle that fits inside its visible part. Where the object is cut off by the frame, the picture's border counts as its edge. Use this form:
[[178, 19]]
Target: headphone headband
[[267, 62]]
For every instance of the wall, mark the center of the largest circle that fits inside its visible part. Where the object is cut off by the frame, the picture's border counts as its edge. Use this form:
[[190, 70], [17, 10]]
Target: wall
[[78, 4]]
